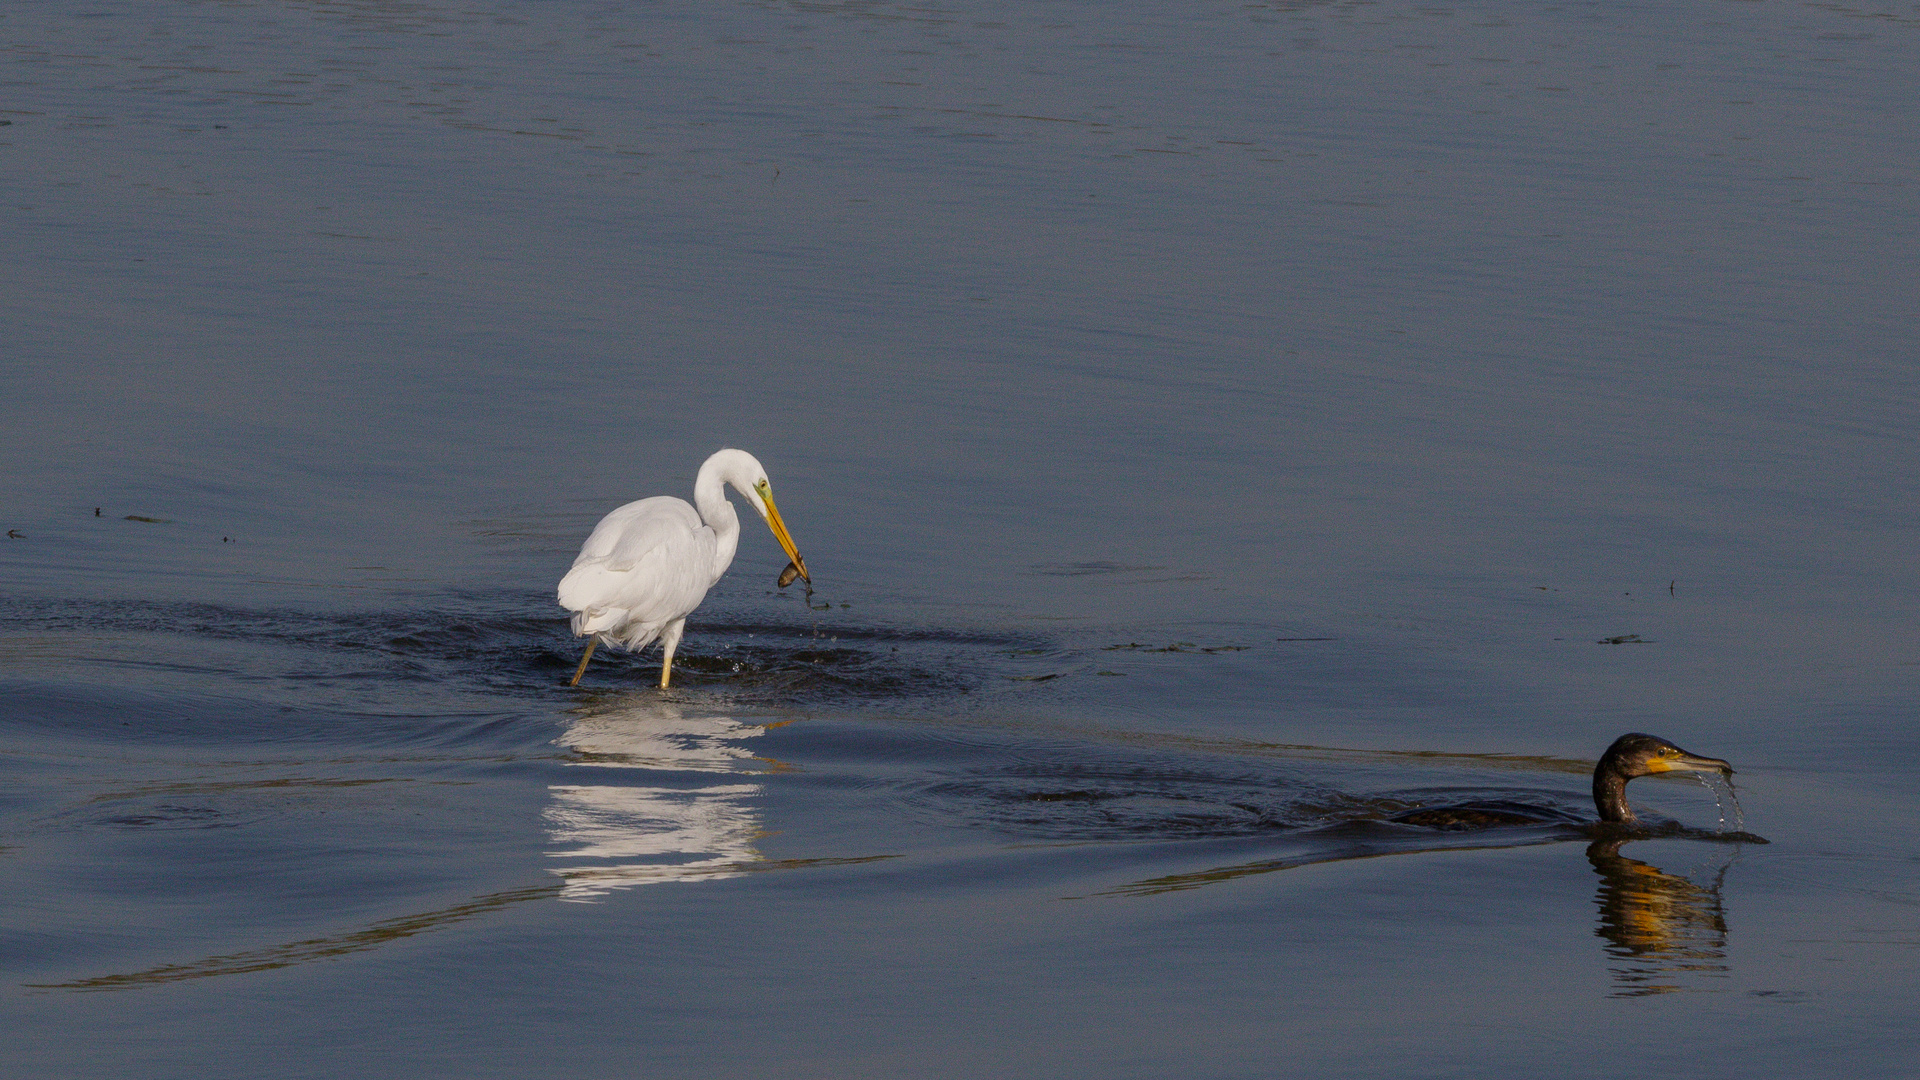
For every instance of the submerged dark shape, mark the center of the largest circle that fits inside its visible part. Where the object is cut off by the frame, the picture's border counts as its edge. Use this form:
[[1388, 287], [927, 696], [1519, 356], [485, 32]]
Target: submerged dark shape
[[1631, 755]]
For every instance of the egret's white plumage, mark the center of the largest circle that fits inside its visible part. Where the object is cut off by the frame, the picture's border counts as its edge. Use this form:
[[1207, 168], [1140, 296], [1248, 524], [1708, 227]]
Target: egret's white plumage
[[650, 563]]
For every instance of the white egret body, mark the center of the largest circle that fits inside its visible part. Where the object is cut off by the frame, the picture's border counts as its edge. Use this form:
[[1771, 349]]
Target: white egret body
[[648, 564]]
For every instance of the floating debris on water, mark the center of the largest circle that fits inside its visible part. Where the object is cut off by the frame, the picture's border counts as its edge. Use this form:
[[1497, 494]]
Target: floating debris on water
[[1178, 646]]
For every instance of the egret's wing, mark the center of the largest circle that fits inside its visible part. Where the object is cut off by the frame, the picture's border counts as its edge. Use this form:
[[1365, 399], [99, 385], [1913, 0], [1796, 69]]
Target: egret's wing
[[637, 527], [645, 565]]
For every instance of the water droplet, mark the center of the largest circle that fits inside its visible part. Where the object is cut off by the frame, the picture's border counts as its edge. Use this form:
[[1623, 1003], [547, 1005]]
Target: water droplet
[[1724, 798]]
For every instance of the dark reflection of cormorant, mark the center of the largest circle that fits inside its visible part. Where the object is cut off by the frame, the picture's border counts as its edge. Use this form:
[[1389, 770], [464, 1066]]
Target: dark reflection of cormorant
[[1660, 927], [1630, 755]]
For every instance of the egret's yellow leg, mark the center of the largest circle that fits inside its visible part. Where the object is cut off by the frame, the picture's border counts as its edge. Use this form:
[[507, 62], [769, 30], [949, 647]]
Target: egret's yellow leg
[[582, 669], [669, 641]]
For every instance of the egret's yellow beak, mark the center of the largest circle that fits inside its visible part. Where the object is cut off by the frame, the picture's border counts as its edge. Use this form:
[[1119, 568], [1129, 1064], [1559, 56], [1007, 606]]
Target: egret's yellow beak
[[780, 533], [1681, 761]]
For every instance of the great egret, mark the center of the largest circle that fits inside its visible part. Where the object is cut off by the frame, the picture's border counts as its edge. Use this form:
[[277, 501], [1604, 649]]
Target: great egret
[[650, 563]]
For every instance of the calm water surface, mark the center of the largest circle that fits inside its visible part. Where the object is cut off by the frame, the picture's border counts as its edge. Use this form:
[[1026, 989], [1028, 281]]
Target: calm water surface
[[1213, 428]]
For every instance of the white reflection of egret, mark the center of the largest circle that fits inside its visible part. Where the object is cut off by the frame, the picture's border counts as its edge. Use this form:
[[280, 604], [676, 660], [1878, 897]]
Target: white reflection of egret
[[621, 835], [659, 738]]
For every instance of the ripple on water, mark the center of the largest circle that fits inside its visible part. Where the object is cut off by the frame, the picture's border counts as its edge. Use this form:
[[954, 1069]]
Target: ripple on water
[[501, 646], [1087, 791]]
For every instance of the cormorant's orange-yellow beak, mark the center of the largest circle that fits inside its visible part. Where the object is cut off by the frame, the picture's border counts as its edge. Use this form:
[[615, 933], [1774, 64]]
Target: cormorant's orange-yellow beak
[[1681, 761]]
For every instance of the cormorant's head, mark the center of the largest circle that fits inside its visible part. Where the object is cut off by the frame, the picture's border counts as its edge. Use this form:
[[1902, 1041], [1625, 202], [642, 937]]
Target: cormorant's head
[[1644, 755]]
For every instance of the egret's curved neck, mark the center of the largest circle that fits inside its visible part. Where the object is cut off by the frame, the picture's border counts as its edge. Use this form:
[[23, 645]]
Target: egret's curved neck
[[710, 498], [1610, 795]]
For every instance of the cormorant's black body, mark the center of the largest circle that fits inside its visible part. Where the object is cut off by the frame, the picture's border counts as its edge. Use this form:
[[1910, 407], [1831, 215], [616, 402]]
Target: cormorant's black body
[[1486, 815]]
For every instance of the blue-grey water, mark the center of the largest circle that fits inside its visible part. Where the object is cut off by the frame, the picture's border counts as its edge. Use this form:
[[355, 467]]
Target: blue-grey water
[[1213, 428]]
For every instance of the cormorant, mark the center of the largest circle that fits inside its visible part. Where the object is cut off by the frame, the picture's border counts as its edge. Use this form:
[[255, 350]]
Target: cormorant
[[1630, 755]]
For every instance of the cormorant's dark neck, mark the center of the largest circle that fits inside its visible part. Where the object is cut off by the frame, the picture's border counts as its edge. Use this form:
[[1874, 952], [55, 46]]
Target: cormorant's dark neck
[[1610, 795]]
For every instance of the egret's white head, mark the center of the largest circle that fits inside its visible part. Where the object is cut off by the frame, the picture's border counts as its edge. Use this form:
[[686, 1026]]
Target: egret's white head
[[746, 475], [742, 472]]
